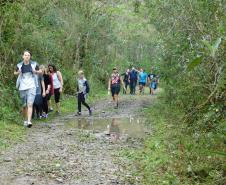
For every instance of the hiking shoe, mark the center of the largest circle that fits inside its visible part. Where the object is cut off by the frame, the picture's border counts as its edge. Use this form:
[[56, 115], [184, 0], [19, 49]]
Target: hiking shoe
[[44, 115], [57, 113], [25, 123], [29, 124], [78, 114], [51, 110]]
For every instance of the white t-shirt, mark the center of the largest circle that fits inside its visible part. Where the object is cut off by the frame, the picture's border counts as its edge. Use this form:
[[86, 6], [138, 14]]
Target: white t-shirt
[[27, 80]]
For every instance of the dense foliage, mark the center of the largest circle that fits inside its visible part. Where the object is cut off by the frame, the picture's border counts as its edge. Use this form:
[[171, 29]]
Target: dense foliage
[[92, 35], [184, 40]]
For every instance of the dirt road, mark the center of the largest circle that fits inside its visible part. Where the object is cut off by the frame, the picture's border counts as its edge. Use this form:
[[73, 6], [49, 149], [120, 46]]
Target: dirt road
[[79, 150]]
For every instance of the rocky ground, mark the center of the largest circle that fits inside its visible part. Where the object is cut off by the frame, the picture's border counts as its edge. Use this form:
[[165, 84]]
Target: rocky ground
[[56, 152]]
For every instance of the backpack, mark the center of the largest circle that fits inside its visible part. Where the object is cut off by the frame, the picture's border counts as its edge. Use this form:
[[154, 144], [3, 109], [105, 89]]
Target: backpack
[[133, 75], [115, 79], [19, 66]]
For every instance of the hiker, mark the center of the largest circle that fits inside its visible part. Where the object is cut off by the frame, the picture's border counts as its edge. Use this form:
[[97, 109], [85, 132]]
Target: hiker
[[142, 80], [47, 84], [125, 80], [82, 93], [153, 84], [114, 86], [40, 93], [133, 80], [26, 83], [57, 85]]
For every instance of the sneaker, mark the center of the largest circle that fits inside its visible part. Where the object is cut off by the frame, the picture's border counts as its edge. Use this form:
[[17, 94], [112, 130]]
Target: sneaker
[[90, 112], [57, 113], [29, 124], [51, 110], [44, 115], [78, 114], [25, 123]]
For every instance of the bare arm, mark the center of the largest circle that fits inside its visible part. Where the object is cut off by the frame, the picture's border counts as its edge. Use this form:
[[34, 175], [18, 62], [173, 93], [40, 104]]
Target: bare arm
[[122, 82], [43, 88], [17, 72], [60, 79], [109, 84]]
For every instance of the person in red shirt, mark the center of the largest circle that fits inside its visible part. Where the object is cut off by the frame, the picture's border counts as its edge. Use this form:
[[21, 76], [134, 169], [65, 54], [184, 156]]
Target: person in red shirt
[[114, 86]]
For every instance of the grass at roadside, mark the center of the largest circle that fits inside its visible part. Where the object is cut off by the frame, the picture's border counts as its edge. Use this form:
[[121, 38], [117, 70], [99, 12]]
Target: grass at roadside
[[10, 134], [176, 154]]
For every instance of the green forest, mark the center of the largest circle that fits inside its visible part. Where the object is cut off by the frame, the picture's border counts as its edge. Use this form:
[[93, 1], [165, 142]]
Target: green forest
[[184, 40]]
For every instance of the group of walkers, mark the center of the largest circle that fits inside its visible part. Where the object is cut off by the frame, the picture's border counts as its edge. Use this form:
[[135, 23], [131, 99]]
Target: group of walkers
[[130, 79], [37, 84]]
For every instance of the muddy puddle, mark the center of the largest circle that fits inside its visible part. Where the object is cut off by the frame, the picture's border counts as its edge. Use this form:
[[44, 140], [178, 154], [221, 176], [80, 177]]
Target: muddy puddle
[[115, 128]]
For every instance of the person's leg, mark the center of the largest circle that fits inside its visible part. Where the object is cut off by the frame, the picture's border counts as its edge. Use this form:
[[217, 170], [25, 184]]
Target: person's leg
[[45, 106], [29, 112], [24, 112], [140, 88], [135, 85], [131, 87], [126, 86], [30, 101], [50, 103], [79, 103], [86, 105], [113, 93], [117, 91], [23, 97], [57, 99], [124, 91], [116, 100], [143, 87]]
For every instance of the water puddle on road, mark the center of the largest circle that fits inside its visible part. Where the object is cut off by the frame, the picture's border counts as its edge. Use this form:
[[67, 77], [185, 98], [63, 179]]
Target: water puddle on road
[[115, 127]]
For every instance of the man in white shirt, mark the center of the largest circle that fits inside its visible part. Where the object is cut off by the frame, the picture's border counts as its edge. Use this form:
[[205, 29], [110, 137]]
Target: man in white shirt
[[27, 84]]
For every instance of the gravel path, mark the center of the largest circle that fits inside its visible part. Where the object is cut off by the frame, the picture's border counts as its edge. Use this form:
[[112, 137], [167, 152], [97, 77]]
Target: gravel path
[[58, 153]]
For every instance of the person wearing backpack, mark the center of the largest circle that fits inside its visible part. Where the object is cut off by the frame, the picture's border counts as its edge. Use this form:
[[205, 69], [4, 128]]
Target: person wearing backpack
[[82, 93], [27, 83], [114, 86], [133, 80], [57, 85]]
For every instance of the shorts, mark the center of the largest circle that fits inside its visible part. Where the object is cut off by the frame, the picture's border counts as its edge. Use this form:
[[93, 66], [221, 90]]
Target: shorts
[[115, 89], [142, 83], [153, 85], [27, 96]]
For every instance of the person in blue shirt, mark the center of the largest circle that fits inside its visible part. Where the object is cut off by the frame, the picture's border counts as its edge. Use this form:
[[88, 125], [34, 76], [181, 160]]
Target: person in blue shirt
[[142, 80]]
